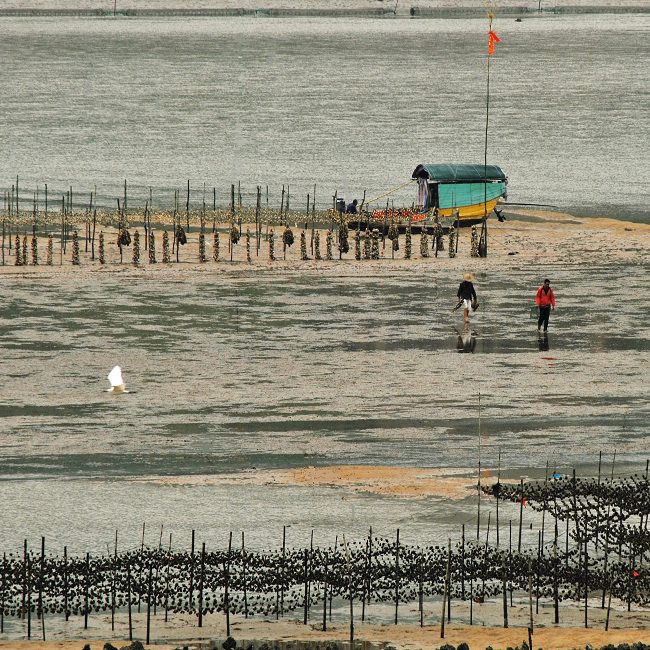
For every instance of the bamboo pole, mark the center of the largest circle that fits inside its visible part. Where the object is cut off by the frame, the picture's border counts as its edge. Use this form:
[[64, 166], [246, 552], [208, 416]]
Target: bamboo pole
[[446, 587], [29, 597], [521, 513], [65, 583], [87, 587], [169, 561], [128, 592], [324, 593], [141, 557], [191, 586], [478, 506], [227, 586], [201, 577], [505, 592], [305, 581], [347, 558], [497, 494], [530, 603], [148, 641], [41, 612], [2, 595], [396, 575], [23, 611]]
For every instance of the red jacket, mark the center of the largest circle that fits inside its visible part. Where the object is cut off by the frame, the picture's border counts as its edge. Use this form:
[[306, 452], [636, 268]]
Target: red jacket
[[545, 299]]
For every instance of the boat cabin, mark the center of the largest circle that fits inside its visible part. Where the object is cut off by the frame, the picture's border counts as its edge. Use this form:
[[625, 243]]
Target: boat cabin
[[472, 191]]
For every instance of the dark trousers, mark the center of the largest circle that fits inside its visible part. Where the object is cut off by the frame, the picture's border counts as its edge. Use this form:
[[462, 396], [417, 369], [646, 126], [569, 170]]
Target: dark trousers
[[544, 313]]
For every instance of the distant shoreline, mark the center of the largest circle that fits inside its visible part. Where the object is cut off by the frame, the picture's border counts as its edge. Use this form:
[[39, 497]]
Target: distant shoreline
[[360, 12]]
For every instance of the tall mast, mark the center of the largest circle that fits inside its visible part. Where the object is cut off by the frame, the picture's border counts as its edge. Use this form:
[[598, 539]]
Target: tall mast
[[487, 119]]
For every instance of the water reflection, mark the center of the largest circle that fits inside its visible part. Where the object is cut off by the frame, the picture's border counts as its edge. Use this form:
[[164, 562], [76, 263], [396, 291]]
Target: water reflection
[[466, 341], [542, 342]]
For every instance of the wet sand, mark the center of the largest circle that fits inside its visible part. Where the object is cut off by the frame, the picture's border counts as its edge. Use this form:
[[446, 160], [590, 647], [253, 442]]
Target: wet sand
[[183, 631], [406, 482]]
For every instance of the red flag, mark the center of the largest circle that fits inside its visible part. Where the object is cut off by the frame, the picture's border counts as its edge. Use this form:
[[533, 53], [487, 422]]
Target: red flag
[[523, 501], [635, 574], [493, 37]]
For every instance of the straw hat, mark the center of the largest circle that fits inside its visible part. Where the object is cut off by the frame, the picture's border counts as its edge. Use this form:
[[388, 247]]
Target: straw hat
[[468, 277]]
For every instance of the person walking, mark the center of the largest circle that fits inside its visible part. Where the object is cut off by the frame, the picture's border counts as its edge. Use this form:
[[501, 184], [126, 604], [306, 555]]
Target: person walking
[[545, 301], [466, 295]]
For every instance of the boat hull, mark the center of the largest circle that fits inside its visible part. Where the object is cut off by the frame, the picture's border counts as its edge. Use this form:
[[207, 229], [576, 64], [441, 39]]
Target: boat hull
[[473, 213]]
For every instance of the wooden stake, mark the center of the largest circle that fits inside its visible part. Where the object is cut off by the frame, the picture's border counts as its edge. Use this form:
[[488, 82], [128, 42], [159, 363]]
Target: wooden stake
[[141, 544], [421, 590], [149, 608], [396, 575], [284, 548], [530, 602], [226, 596], [87, 587], [169, 561], [505, 592], [600, 457], [347, 558], [113, 586], [444, 596], [41, 613], [128, 595], [23, 610], [324, 594], [243, 561], [462, 565], [586, 584], [306, 582], [2, 597], [497, 495], [201, 585], [191, 590], [478, 507], [29, 597], [521, 513], [187, 207], [65, 583]]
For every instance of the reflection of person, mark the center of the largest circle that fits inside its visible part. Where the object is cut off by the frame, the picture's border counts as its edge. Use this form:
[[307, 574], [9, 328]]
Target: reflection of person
[[466, 341], [545, 301], [352, 207], [466, 294], [542, 341]]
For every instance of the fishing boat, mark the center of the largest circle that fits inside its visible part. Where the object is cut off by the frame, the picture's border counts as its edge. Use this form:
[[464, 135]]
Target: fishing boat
[[461, 195], [467, 193]]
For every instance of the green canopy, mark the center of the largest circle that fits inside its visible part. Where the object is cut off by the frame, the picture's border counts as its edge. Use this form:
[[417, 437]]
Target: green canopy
[[459, 173]]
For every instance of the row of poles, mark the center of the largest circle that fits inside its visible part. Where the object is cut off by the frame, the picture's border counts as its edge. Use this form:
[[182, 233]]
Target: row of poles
[[278, 582]]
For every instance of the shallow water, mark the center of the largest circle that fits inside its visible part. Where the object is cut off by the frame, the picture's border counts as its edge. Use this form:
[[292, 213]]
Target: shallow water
[[346, 104], [244, 373]]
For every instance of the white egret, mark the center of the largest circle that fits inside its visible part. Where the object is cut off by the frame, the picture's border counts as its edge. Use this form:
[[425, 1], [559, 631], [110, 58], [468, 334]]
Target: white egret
[[117, 381]]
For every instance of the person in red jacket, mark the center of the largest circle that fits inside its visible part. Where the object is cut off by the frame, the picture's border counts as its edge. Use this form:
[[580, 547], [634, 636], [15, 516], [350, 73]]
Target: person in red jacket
[[545, 301]]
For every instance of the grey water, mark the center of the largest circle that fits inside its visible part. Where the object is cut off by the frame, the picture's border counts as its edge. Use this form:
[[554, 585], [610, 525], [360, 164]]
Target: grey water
[[349, 105], [240, 375]]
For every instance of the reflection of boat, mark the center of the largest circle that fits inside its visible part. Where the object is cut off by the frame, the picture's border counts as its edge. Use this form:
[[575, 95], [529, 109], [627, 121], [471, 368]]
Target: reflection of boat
[[471, 191]]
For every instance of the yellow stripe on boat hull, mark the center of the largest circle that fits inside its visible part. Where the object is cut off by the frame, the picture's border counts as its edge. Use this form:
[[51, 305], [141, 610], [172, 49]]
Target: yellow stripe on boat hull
[[476, 211]]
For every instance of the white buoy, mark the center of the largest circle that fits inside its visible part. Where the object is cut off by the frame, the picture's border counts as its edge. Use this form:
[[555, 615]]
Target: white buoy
[[117, 381]]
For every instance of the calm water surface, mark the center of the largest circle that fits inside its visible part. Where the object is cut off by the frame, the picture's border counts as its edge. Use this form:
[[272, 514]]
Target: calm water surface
[[350, 105]]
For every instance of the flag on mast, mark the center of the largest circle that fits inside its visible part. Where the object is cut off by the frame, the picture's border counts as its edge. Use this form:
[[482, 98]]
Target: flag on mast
[[493, 38]]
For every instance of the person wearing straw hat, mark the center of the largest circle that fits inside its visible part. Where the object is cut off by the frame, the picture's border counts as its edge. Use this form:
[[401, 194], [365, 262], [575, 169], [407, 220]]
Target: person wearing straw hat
[[466, 295]]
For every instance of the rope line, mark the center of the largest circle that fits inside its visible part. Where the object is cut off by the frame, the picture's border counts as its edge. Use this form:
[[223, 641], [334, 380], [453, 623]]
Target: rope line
[[390, 191]]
